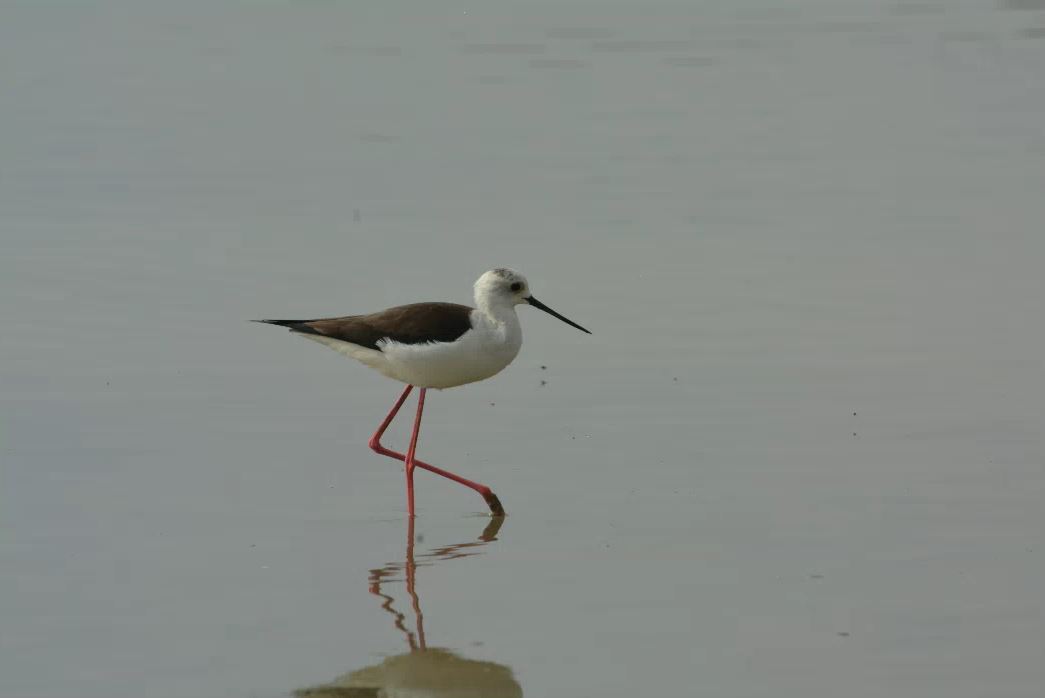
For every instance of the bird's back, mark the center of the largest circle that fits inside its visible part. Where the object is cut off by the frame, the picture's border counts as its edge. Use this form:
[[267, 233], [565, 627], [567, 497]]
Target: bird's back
[[416, 323]]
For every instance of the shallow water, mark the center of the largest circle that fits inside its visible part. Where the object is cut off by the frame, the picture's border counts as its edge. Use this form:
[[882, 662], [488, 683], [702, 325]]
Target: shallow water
[[801, 454]]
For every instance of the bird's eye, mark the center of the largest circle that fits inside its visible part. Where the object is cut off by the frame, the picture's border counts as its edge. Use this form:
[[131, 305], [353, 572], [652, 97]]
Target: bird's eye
[[516, 287]]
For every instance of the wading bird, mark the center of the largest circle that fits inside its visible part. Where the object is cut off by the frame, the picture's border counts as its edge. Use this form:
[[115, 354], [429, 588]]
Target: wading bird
[[433, 345]]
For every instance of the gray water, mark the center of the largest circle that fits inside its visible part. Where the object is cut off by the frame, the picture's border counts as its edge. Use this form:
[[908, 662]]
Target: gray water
[[801, 454]]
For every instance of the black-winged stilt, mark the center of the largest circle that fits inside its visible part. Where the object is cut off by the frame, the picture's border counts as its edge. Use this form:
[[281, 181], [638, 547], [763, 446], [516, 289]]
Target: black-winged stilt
[[433, 345]]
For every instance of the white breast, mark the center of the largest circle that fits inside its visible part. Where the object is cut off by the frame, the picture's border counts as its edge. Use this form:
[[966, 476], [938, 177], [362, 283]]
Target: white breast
[[479, 353]]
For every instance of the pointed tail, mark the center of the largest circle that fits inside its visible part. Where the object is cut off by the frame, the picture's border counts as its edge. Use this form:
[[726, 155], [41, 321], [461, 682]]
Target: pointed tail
[[301, 326], [283, 323]]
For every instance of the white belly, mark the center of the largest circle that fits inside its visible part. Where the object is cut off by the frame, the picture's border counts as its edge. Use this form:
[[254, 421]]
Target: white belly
[[474, 356]]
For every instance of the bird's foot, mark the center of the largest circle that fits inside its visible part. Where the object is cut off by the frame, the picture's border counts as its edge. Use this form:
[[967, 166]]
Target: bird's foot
[[494, 503]]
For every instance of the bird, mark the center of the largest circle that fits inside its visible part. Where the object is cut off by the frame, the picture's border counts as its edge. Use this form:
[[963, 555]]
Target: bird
[[433, 345]]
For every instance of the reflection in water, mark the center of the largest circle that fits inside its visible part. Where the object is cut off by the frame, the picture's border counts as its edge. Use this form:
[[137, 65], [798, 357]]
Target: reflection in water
[[422, 671]]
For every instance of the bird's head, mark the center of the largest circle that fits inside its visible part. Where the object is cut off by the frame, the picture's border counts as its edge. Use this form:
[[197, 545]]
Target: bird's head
[[506, 287], [502, 287]]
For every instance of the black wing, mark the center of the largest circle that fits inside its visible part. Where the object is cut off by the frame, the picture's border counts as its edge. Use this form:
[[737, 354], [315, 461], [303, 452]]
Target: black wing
[[417, 323]]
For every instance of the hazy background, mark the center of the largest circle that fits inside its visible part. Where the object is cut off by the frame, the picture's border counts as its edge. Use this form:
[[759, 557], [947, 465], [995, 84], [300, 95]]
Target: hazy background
[[801, 454]]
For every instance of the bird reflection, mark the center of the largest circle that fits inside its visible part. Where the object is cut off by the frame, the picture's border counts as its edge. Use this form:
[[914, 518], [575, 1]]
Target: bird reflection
[[423, 671]]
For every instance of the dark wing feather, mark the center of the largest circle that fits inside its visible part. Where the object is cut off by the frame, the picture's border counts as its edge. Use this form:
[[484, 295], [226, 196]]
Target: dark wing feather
[[417, 323]]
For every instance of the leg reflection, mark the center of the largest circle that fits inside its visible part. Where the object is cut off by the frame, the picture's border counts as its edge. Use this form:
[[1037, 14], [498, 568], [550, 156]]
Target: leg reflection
[[389, 573], [426, 671]]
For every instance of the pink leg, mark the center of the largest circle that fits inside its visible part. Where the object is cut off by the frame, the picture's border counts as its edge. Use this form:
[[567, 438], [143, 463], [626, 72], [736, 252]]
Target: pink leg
[[375, 440], [375, 444], [410, 451]]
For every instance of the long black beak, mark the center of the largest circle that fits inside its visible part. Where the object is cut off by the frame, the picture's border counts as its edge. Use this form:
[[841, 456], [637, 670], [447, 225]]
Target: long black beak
[[541, 306]]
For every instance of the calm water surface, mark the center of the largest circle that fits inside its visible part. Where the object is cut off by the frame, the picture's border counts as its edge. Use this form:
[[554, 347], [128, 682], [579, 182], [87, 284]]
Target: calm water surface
[[800, 456]]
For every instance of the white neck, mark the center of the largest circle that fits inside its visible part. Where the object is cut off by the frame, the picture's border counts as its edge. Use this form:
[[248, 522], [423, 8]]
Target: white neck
[[497, 330], [495, 308], [499, 317]]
